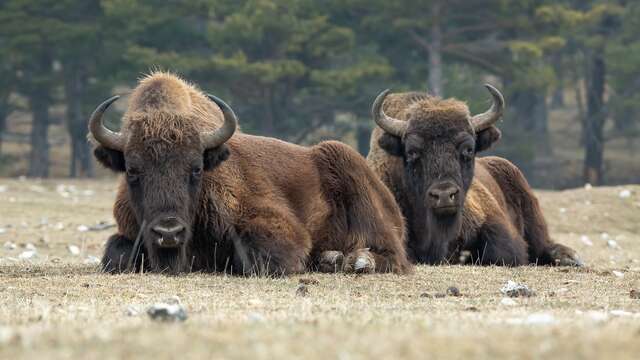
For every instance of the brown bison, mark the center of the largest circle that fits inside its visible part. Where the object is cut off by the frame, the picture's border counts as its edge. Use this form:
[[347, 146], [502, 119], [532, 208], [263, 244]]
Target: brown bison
[[459, 208], [214, 199]]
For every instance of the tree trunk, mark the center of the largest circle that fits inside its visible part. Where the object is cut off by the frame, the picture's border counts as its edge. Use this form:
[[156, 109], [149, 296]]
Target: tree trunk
[[39, 157], [531, 112], [3, 123], [595, 119], [363, 137], [435, 52], [81, 163], [557, 97]]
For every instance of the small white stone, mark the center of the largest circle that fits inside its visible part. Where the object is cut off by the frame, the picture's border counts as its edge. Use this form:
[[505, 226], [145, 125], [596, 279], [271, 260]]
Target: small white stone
[[585, 240], [540, 319], [2, 231], [255, 317], [618, 274], [604, 236], [620, 313], [598, 316], [59, 226], [361, 263], [563, 210], [74, 250], [624, 194], [91, 260], [3, 188], [132, 311], [167, 312], [83, 228], [30, 246], [587, 186], [8, 245], [562, 291], [508, 302], [612, 244], [27, 254]]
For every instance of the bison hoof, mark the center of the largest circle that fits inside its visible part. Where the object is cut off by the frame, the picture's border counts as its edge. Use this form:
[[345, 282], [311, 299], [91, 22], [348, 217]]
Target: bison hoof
[[565, 256], [360, 261], [330, 261]]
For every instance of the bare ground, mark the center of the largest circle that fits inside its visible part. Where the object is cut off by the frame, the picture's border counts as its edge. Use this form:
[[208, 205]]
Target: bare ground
[[56, 305]]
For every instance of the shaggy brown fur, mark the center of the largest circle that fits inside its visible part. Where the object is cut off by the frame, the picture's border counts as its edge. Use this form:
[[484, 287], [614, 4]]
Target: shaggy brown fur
[[497, 219], [261, 205]]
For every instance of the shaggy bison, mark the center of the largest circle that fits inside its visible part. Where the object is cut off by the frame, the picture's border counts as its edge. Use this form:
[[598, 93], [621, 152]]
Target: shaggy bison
[[459, 208], [214, 199]]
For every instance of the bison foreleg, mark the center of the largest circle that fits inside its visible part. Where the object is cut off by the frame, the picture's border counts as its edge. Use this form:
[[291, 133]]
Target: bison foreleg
[[495, 245], [270, 245], [117, 253]]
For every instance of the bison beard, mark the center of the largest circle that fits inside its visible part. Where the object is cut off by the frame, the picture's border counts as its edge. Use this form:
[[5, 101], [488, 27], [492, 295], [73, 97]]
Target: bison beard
[[244, 204]]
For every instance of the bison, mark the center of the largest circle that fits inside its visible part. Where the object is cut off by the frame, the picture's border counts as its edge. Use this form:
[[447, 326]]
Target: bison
[[459, 208], [202, 196]]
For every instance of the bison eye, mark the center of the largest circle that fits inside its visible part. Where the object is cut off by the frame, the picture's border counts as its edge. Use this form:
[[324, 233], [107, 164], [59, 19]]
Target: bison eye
[[133, 176], [412, 156], [467, 152], [196, 171]]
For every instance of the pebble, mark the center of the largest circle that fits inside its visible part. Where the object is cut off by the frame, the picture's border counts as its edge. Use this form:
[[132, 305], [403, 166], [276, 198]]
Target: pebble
[[612, 244], [2, 231], [30, 246], [302, 290], [453, 291], [618, 274], [308, 281], [634, 294], [624, 194], [91, 260], [8, 245], [169, 311], [587, 186], [27, 254], [132, 311], [83, 228], [514, 289], [585, 240], [74, 250]]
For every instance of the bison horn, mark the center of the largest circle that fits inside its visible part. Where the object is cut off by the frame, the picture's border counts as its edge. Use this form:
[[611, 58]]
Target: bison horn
[[107, 138], [392, 126], [488, 118], [218, 137]]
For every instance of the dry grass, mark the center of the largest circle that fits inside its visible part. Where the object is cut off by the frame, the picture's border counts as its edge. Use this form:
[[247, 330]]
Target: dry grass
[[54, 306]]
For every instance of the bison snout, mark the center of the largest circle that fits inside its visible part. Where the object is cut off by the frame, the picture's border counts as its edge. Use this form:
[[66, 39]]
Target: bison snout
[[444, 198], [169, 232]]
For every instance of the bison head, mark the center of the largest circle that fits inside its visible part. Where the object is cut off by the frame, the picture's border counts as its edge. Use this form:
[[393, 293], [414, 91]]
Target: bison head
[[163, 162], [437, 141]]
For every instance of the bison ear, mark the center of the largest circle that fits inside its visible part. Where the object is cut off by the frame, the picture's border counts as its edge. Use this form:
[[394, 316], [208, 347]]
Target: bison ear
[[486, 138], [391, 144], [213, 157], [111, 159]]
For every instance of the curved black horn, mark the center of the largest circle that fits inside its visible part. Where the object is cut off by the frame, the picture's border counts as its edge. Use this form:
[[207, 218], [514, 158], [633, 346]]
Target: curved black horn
[[218, 137], [107, 138], [392, 126], [491, 116]]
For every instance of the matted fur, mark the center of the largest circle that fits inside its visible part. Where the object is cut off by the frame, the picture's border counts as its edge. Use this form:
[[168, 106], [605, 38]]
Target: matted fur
[[500, 221], [265, 206]]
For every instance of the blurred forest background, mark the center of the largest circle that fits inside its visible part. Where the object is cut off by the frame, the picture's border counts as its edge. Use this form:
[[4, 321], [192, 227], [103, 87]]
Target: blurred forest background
[[307, 70]]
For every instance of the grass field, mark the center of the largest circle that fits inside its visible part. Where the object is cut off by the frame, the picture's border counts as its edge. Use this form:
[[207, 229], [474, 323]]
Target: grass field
[[55, 304]]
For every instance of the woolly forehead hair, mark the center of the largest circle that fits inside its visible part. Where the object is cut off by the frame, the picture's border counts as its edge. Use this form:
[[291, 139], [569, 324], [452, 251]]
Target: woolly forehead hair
[[435, 109]]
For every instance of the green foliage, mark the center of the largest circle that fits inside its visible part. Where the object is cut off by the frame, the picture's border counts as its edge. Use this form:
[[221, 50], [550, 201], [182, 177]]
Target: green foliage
[[290, 67]]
